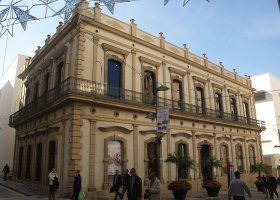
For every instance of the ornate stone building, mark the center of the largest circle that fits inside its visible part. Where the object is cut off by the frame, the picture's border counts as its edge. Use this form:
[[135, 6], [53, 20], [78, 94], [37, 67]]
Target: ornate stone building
[[89, 89]]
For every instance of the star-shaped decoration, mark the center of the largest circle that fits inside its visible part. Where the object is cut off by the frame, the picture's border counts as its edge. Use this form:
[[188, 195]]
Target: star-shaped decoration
[[11, 14], [68, 8], [110, 4], [47, 5], [184, 3]]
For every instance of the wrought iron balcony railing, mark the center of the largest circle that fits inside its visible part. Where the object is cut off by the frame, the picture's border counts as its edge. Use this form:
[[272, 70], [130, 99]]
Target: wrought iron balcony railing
[[75, 86]]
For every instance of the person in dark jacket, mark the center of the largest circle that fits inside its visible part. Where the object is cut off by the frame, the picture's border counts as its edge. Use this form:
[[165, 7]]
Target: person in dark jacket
[[6, 170], [272, 185], [134, 187], [117, 183], [265, 190], [125, 181], [77, 186]]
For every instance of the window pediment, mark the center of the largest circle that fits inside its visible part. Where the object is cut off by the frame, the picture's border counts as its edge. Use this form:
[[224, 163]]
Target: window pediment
[[149, 61], [182, 134], [177, 71], [115, 128], [199, 79], [108, 47]]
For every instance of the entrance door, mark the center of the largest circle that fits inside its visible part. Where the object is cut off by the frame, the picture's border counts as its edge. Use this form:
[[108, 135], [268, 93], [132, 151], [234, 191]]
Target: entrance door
[[207, 171]]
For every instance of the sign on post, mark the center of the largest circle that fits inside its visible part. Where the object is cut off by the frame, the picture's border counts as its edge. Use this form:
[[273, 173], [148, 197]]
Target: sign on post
[[162, 119]]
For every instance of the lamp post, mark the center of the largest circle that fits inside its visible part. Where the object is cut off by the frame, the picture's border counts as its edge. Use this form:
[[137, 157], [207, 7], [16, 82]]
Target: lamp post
[[158, 138]]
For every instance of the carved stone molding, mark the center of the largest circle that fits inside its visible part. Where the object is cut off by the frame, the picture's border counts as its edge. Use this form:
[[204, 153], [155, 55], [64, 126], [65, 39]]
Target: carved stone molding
[[196, 78], [186, 135], [107, 47], [148, 132], [223, 138], [215, 85], [206, 136], [238, 139], [251, 140], [177, 71], [149, 61], [115, 128]]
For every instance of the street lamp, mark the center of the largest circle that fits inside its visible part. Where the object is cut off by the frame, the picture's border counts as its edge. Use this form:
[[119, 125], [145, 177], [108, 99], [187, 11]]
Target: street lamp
[[276, 146], [158, 138]]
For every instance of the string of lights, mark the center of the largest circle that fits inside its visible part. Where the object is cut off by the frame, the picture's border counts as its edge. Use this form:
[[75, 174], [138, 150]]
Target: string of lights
[[14, 13]]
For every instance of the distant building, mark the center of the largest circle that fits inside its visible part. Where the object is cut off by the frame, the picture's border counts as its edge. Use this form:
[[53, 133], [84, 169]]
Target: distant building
[[10, 91], [89, 89], [267, 101]]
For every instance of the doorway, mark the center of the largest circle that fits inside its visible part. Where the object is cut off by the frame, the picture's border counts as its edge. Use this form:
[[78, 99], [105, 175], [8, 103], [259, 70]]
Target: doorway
[[207, 171]]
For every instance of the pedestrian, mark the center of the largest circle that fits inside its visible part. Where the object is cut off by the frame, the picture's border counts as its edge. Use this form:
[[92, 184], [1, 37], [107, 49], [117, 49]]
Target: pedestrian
[[77, 186], [134, 187], [265, 190], [125, 182], [237, 188], [272, 185], [278, 180], [153, 190], [53, 184], [117, 183], [6, 171]]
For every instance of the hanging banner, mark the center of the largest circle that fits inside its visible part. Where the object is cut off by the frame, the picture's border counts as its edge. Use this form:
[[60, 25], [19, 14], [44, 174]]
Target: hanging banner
[[162, 119]]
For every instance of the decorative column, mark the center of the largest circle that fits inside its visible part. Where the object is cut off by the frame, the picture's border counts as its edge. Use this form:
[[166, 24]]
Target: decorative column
[[246, 156], [194, 154], [135, 146], [168, 140], [92, 156], [189, 87], [232, 152], [133, 73], [96, 63]]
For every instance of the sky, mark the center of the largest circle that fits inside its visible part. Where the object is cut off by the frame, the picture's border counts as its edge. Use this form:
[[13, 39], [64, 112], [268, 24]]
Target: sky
[[242, 34]]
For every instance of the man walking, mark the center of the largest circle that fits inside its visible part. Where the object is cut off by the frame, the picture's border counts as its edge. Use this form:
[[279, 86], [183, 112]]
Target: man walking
[[6, 170], [154, 190], [237, 188], [117, 183], [134, 187], [272, 185]]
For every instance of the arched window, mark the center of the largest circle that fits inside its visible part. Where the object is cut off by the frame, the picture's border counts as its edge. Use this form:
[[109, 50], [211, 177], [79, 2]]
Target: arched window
[[52, 155], [28, 162], [233, 108], [252, 156], [200, 101], [38, 166], [59, 77], [149, 87], [114, 79], [224, 158], [20, 162], [239, 158], [246, 112], [27, 96], [218, 104], [182, 149], [46, 86], [35, 93], [115, 156], [152, 156], [177, 94]]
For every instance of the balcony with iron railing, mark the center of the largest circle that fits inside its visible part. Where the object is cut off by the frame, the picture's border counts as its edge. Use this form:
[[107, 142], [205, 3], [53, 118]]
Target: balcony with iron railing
[[77, 88]]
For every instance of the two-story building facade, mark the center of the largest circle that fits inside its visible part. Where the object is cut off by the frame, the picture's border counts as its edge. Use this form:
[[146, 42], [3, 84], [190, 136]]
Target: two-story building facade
[[89, 89]]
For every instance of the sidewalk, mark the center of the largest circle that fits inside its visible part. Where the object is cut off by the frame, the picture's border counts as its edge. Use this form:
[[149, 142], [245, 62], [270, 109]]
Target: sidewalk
[[38, 192]]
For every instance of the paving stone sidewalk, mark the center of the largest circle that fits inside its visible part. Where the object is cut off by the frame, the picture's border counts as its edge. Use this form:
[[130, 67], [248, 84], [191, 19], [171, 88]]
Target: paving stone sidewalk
[[40, 193]]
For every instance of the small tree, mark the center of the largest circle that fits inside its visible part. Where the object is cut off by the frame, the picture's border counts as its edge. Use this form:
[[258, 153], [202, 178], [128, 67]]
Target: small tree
[[182, 162], [209, 163], [258, 168]]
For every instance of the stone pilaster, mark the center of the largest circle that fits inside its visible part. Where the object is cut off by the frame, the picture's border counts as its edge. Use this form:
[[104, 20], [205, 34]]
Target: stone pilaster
[[92, 156]]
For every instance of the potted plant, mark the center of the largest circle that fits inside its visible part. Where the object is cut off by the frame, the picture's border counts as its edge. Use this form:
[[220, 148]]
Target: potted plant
[[259, 168], [212, 186], [180, 187]]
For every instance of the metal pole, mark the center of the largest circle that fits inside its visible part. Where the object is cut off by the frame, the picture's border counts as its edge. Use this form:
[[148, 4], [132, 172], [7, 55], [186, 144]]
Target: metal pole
[[157, 139]]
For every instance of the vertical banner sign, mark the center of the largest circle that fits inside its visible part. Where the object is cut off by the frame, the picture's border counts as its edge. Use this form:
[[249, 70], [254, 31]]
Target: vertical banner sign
[[162, 119]]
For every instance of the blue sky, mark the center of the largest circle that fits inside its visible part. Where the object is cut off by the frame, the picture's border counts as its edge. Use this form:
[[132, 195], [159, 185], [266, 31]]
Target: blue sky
[[244, 35]]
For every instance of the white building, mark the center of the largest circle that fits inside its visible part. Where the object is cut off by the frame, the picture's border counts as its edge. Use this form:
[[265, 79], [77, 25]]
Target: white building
[[267, 100], [10, 87]]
